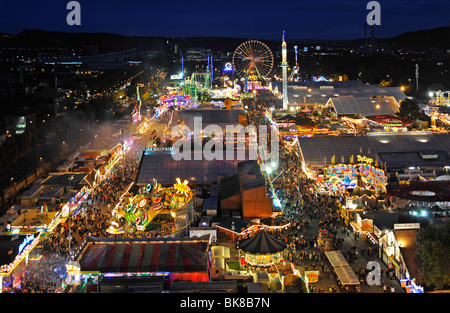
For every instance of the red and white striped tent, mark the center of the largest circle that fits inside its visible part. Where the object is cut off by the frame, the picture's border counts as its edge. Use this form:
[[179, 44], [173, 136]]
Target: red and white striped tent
[[179, 259]]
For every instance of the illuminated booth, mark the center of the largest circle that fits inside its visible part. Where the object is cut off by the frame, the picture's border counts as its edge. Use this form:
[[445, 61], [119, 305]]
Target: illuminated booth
[[179, 100], [262, 250], [13, 253], [170, 210], [399, 252], [338, 178]]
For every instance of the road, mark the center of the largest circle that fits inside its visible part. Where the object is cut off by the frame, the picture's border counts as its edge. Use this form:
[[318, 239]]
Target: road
[[349, 241]]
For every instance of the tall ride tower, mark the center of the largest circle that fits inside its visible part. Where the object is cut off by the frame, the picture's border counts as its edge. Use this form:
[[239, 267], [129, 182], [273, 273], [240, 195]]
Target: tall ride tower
[[284, 66]]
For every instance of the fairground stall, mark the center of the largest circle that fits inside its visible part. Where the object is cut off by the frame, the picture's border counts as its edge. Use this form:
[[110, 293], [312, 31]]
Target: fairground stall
[[176, 100], [262, 251], [155, 211], [358, 187], [399, 251], [12, 253], [340, 178]]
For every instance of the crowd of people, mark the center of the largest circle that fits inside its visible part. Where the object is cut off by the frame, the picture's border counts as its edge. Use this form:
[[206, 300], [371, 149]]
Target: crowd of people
[[311, 217], [314, 221], [90, 218]]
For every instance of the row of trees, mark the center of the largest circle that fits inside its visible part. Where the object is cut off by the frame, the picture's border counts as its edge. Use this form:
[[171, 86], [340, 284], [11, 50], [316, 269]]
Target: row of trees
[[433, 249]]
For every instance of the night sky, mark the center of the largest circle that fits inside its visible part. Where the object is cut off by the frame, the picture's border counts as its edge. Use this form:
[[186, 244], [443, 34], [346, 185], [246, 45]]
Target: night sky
[[256, 19]]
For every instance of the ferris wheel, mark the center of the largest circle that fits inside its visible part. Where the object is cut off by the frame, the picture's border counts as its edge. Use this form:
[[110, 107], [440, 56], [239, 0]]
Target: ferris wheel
[[253, 58]]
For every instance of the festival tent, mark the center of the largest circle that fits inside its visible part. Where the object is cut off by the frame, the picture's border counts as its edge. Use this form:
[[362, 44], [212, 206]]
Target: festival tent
[[430, 191], [285, 118], [365, 106], [336, 258], [291, 128], [346, 275], [183, 260]]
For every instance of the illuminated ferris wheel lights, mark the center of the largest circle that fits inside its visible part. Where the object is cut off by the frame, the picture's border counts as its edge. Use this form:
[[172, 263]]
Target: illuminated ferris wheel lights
[[253, 58]]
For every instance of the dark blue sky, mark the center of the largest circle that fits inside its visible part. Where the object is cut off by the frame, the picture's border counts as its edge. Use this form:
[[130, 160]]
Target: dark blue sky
[[257, 19]]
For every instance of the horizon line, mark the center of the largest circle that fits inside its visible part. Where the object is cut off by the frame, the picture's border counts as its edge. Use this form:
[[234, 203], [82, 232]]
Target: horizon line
[[218, 37]]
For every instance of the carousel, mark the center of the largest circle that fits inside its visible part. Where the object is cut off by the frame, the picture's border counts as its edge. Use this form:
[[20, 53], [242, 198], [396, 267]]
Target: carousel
[[262, 250], [154, 209]]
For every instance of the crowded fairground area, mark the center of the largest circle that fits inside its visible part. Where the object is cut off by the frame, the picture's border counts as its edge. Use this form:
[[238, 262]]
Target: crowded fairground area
[[320, 188]]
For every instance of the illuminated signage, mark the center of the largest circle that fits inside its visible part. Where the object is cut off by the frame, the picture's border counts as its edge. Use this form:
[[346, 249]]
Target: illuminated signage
[[312, 276], [159, 149], [142, 203], [407, 226], [364, 159], [177, 76], [428, 156], [25, 243], [228, 67]]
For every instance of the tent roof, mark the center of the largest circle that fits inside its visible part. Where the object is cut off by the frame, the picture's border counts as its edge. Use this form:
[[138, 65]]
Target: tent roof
[[262, 243], [439, 191], [219, 117], [365, 106], [239, 224], [6, 244], [210, 204], [157, 256], [319, 94], [336, 258], [346, 275], [63, 179], [250, 175], [269, 221], [287, 117], [229, 187], [161, 165], [390, 149]]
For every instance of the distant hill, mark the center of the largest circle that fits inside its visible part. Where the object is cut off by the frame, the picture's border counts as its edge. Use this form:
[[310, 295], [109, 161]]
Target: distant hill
[[40, 39], [432, 38], [36, 38], [104, 41]]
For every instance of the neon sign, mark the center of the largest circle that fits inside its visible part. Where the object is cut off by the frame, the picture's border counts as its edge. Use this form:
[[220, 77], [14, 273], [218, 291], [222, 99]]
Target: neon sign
[[228, 67], [364, 159], [25, 243], [177, 76]]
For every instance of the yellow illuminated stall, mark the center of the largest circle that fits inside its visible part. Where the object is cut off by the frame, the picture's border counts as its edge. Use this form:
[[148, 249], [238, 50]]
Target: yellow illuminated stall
[[155, 208]]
